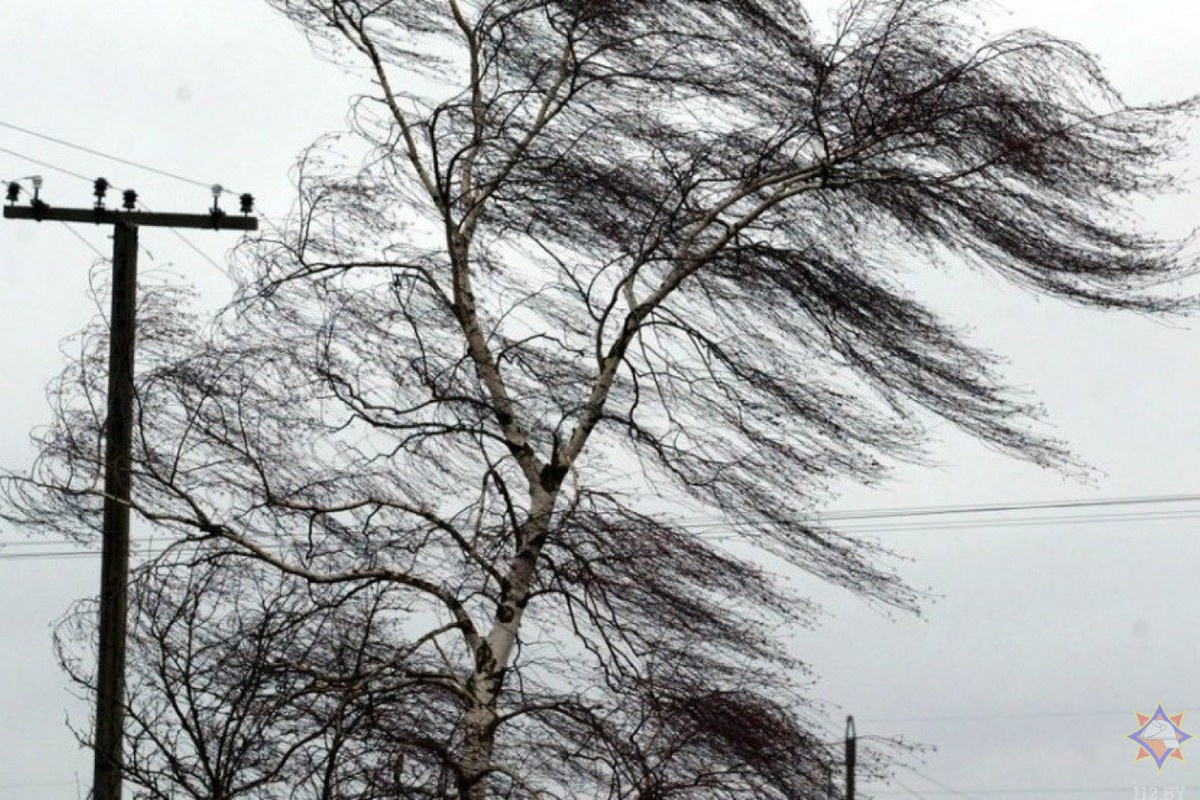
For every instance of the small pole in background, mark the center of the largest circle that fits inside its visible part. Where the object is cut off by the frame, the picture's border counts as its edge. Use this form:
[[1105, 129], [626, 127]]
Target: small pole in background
[[851, 756]]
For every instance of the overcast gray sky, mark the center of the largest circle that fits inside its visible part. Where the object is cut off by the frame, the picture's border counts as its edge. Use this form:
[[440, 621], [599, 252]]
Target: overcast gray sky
[[1046, 633]]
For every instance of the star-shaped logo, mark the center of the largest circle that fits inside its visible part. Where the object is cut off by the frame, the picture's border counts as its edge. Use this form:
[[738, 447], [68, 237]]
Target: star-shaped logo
[[1159, 736]]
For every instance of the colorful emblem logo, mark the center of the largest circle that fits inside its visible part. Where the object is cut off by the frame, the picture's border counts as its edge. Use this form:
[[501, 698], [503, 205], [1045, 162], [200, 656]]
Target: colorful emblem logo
[[1159, 736]]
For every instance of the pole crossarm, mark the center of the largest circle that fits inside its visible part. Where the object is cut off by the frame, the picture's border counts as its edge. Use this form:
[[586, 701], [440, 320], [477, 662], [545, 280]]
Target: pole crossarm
[[141, 219]]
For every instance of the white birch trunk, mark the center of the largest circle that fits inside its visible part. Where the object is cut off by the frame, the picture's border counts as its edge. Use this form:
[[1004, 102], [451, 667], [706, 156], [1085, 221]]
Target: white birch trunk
[[494, 653]]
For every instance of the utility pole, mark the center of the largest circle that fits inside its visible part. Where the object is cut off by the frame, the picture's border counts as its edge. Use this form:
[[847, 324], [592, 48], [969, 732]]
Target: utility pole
[[118, 440], [851, 756]]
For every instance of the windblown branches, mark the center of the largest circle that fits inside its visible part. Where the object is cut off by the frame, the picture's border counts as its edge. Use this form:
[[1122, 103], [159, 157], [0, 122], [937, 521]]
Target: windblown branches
[[244, 686]]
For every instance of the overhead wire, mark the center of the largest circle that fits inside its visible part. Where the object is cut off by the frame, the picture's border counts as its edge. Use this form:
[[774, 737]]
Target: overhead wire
[[943, 787], [1031, 792], [1019, 522], [904, 512], [907, 790], [706, 529], [110, 157], [848, 521], [86, 243], [36, 784], [1005, 716], [988, 508], [45, 164], [202, 254]]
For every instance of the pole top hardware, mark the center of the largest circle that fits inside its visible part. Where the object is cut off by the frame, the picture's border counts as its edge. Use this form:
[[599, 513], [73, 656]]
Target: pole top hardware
[[216, 211], [36, 202], [99, 189], [130, 213]]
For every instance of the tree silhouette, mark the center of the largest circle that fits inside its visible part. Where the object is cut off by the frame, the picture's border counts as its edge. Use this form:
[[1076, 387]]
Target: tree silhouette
[[571, 337]]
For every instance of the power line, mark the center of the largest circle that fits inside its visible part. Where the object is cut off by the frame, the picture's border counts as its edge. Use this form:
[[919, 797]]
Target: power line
[[907, 789], [706, 529], [86, 243], [993, 508], [1023, 522], [203, 254], [53, 555], [35, 784], [1015, 715], [904, 512], [868, 515], [713, 530], [938, 784], [913, 512], [46, 164], [1033, 792], [109, 156]]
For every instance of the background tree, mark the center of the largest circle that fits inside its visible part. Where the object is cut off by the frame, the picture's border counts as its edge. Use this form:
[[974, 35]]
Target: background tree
[[240, 685], [601, 275], [246, 685]]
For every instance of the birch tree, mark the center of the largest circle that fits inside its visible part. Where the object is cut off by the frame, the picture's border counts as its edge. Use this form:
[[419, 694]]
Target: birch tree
[[571, 334]]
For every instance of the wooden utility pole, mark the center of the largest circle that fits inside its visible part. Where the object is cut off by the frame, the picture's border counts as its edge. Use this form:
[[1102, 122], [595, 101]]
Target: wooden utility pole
[[118, 441]]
